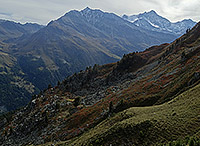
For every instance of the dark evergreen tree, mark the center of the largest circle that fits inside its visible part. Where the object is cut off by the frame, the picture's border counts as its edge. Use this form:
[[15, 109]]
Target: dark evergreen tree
[[58, 84], [49, 86], [77, 101], [111, 107]]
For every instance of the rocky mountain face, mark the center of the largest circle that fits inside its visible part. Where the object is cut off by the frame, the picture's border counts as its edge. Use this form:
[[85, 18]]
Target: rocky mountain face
[[93, 107], [152, 21], [46, 55]]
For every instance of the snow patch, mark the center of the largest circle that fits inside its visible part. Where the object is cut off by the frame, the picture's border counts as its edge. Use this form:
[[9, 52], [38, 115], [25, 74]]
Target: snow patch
[[137, 24], [153, 24], [134, 20]]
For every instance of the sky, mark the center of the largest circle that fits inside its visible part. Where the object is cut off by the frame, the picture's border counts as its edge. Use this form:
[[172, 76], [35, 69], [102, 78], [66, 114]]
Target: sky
[[43, 11]]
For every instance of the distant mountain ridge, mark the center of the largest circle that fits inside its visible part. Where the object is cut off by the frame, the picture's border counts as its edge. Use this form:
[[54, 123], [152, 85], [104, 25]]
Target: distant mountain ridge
[[152, 21], [43, 55], [11, 30]]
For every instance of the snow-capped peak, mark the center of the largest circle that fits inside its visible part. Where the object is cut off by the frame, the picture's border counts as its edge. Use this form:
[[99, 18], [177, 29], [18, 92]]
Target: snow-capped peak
[[152, 21], [92, 15]]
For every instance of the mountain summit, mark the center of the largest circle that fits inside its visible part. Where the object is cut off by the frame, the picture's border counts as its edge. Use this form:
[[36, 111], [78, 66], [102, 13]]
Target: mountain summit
[[152, 21]]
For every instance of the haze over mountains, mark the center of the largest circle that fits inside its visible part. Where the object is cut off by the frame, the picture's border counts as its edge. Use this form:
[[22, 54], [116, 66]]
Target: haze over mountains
[[34, 56]]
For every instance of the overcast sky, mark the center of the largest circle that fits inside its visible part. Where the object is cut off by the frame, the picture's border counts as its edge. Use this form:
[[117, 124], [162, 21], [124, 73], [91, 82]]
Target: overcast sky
[[42, 11]]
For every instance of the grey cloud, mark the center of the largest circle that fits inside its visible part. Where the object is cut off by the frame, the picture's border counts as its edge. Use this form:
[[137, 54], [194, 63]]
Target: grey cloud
[[6, 14]]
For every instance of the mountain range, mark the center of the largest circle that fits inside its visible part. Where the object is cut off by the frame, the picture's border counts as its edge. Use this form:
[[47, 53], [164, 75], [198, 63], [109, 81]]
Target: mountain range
[[146, 98], [10, 30], [35, 56], [152, 21]]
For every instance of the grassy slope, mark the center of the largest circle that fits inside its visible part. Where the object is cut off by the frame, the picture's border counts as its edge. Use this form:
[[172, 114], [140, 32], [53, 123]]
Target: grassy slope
[[148, 125]]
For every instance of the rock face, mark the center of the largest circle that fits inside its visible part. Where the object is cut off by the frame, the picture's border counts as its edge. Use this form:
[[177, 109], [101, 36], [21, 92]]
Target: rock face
[[152, 21]]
